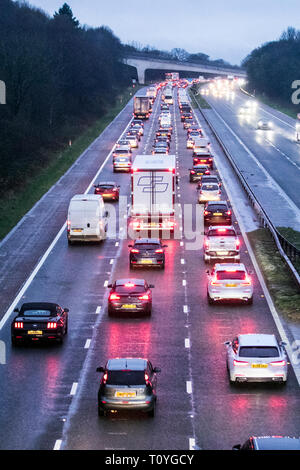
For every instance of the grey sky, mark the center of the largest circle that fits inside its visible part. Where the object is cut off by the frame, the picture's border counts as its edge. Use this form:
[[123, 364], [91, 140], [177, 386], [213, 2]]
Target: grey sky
[[222, 29]]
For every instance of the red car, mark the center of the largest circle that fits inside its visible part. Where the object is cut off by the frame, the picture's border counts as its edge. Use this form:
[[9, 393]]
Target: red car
[[109, 190]]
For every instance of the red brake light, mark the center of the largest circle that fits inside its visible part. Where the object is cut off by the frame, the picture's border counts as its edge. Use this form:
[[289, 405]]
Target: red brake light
[[51, 325], [134, 250], [278, 363], [221, 229], [228, 212], [159, 250], [114, 296], [205, 212], [144, 297], [192, 172], [18, 324], [240, 363]]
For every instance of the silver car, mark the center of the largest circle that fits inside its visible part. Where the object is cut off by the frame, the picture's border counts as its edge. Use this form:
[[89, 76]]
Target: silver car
[[229, 281], [256, 358], [209, 192]]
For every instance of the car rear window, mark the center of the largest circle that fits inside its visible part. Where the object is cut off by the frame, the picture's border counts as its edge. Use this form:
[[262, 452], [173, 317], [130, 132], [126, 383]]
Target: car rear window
[[217, 233], [210, 187], [258, 351], [121, 151], [36, 313], [105, 186], [215, 208], [129, 290], [238, 275], [125, 377], [148, 246], [124, 158]]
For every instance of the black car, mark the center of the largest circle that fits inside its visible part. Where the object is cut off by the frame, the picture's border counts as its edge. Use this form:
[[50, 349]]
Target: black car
[[195, 129], [185, 108], [269, 443], [162, 139], [217, 213], [185, 115], [130, 295], [38, 321], [109, 190], [127, 384], [198, 171], [147, 252]]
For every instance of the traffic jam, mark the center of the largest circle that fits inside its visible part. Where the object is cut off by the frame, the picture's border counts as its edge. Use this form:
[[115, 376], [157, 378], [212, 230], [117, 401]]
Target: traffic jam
[[164, 167]]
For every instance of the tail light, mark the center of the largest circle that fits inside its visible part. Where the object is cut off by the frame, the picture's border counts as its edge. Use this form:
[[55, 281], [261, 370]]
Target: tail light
[[193, 172], [68, 225], [240, 363], [238, 243], [228, 212], [51, 325], [104, 378], [207, 172], [246, 282], [19, 325], [159, 250], [114, 297], [134, 250], [206, 212], [144, 297], [206, 244], [278, 363]]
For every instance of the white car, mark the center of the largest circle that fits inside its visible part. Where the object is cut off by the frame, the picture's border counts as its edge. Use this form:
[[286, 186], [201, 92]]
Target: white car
[[133, 141], [229, 281], [265, 125], [256, 358], [221, 242], [209, 192]]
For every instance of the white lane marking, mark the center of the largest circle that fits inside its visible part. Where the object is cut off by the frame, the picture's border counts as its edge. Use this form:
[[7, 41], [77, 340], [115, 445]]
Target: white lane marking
[[181, 243], [105, 283], [189, 387], [187, 343], [87, 344], [184, 282], [74, 388], [182, 261], [192, 443], [117, 244], [111, 261], [98, 309], [185, 309], [57, 444]]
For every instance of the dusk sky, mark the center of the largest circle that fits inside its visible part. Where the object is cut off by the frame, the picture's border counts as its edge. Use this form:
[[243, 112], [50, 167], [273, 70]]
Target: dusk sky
[[222, 29]]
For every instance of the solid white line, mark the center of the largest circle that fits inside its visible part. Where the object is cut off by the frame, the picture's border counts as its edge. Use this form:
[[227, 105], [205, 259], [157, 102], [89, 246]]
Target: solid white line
[[87, 344], [57, 444], [74, 388], [184, 282], [98, 309], [185, 309], [192, 443], [182, 261]]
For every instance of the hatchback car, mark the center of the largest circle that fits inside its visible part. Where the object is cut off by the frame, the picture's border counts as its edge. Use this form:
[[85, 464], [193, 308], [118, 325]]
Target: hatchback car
[[130, 295], [128, 384], [39, 321], [269, 443], [221, 243], [138, 128], [198, 171], [147, 252], [163, 132], [122, 163], [209, 179], [203, 158], [217, 213], [109, 190], [133, 140], [209, 192], [256, 358], [133, 131], [230, 282], [162, 139]]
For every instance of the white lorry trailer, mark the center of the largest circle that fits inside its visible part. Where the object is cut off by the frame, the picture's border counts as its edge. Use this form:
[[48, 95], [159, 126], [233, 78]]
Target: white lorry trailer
[[153, 183]]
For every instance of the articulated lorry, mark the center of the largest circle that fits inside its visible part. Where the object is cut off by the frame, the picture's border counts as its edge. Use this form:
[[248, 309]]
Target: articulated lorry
[[153, 183], [141, 107]]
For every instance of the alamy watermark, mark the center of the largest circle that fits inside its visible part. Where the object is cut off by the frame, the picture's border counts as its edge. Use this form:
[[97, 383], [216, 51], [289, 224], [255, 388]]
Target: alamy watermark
[[296, 94], [2, 92]]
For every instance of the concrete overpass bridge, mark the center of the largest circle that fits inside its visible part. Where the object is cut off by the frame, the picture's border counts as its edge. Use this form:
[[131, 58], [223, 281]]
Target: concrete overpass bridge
[[144, 63]]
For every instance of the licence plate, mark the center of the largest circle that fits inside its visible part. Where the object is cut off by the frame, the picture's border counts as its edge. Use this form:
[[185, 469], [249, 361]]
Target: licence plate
[[260, 366], [125, 394], [230, 285], [77, 229], [203, 161], [34, 332], [222, 253], [128, 306], [217, 213], [146, 261]]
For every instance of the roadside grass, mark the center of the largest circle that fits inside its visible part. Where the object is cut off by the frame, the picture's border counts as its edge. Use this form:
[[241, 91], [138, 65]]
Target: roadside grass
[[293, 236], [17, 203], [198, 101], [282, 287]]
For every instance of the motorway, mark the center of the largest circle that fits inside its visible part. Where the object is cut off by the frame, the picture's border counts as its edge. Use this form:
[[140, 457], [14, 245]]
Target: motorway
[[49, 393]]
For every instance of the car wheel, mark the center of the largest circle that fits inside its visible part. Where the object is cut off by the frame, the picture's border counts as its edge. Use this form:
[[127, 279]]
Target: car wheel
[[209, 299], [70, 242], [66, 328], [14, 341], [101, 412], [151, 413], [149, 311], [110, 312], [250, 301], [162, 266]]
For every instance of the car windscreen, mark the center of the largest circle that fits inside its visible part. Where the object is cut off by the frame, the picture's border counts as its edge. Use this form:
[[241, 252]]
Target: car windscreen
[[36, 313], [232, 275], [258, 351], [129, 290], [125, 377]]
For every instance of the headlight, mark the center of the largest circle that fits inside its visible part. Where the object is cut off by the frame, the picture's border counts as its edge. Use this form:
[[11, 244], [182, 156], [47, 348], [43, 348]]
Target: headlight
[[260, 123], [270, 124]]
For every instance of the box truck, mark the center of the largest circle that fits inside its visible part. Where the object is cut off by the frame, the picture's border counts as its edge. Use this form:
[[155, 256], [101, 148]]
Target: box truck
[[141, 107], [153, 183]]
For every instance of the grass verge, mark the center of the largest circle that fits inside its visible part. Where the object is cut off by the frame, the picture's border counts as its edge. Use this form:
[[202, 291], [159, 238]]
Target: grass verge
[[281, 285], [15, 204], [198, 100]]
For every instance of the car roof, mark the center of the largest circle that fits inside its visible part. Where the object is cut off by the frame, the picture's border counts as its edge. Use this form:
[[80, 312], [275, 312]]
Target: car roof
[[276, 443], [216, 203], [137, 282], [147, 240], [257, 339], [127, 363], [123, 147]]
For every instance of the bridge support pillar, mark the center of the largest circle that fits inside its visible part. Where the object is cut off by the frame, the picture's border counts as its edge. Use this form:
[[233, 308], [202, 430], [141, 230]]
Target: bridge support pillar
[[141, 74]]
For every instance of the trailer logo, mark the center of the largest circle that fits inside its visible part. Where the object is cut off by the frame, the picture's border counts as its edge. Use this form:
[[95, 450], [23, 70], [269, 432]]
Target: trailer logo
[[153, 183]]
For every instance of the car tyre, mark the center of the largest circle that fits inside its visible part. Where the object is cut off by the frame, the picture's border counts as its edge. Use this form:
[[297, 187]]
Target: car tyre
[[250, 301], [101, 412], [209, 299], [151, 413]]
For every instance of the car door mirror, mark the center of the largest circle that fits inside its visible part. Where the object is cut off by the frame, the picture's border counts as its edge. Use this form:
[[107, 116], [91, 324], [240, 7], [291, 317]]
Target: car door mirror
[[109, 285], [130, 246], [16, 310], [151, 286], [100, 369], [66, 310], [165, 246], [227, 343], [156, 370], [207, 271]]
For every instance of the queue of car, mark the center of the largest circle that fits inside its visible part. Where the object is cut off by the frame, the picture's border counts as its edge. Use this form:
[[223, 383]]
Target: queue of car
[[131, 383]]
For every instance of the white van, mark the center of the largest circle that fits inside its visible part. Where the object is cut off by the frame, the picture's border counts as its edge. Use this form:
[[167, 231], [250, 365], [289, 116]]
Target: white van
[[87, 218], [165, 120]]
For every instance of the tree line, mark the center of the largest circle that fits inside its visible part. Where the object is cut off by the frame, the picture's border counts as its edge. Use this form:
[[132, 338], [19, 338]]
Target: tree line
[[59, 78], [273, 67]]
